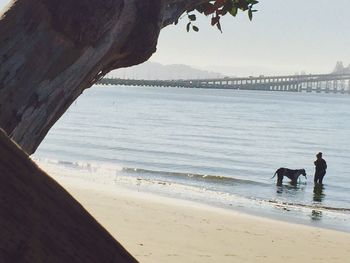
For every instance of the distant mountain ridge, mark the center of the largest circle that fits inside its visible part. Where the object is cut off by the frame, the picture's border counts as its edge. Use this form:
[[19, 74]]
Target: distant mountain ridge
[[154, 71]]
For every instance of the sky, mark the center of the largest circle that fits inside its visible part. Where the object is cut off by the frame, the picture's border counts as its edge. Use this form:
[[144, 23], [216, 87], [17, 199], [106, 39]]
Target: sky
[[285, 37]]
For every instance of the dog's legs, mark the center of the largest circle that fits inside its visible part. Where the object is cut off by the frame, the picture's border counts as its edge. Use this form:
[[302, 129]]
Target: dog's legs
[[279, 180]]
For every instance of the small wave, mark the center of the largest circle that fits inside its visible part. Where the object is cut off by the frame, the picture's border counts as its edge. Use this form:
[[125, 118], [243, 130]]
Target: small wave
[[81, 165], [200, 177], [311, 206]]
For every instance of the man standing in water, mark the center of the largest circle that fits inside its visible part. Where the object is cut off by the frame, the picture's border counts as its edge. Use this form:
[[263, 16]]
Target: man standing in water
[[320, 168]]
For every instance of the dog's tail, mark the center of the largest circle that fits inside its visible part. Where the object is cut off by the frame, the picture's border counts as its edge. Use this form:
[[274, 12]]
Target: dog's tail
[[274, 175]]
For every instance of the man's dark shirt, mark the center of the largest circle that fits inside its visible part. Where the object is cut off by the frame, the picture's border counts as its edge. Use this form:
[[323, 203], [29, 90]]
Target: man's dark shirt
[[321, 165]]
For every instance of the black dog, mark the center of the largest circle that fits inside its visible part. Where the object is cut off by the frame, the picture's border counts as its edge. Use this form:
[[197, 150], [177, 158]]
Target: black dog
[[291, 174]]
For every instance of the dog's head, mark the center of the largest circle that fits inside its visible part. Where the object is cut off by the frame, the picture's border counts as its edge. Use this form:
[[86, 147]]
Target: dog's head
[[303, 172]]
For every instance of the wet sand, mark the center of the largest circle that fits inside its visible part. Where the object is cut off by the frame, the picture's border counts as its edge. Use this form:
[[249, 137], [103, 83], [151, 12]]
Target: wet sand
[[158, 229]]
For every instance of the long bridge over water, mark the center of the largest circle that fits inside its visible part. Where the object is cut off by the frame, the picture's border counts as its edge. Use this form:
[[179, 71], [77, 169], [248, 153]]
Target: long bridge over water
[[327, 83]]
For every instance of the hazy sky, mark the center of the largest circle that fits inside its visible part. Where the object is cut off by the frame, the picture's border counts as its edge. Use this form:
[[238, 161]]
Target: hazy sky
[[285, 36]]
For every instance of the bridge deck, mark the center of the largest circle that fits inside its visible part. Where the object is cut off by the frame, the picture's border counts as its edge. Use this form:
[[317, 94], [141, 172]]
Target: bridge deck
[[294, 83]]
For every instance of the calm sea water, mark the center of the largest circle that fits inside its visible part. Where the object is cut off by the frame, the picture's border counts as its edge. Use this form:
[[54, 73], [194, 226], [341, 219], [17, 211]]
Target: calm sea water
[[219, 147]]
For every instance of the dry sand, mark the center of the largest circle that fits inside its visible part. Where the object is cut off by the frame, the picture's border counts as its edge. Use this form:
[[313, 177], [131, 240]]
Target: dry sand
[[157, 229]]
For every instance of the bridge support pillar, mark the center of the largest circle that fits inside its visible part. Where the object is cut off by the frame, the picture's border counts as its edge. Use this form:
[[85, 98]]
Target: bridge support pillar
[[309, 87], [335, 86], [318, 87]]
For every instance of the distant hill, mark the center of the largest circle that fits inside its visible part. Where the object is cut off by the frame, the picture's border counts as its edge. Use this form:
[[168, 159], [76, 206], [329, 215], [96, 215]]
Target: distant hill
[[152, 70]]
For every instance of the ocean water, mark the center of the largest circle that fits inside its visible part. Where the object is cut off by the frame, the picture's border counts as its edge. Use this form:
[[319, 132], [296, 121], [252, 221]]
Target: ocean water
[[218, 147]]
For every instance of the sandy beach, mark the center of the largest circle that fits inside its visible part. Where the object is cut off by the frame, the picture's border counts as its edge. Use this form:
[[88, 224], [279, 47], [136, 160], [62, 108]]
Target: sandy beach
[[158, 229]]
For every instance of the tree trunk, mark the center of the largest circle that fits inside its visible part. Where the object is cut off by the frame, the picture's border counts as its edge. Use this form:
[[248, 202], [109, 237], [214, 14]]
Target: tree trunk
[[52, 50], [41, 222]]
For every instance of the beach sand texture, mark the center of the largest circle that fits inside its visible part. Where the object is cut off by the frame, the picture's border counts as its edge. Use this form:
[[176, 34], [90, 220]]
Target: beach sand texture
[[158, 229]]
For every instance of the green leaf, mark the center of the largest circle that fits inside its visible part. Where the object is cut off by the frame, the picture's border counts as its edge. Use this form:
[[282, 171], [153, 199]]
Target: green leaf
[[250, 14], [192, 17], [220, 8], [188, 26], [218, 25], [234, 11]]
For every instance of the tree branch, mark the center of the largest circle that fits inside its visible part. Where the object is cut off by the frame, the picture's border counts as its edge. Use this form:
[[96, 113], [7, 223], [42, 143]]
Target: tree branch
[[52, 50]]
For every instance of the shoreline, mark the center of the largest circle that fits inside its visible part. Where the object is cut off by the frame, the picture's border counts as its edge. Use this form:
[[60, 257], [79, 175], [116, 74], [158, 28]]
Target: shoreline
[[93, 177], [160, 229]]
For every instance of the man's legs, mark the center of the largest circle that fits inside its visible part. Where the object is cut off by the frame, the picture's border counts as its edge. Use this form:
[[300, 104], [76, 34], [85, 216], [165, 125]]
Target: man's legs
[[321, 177]]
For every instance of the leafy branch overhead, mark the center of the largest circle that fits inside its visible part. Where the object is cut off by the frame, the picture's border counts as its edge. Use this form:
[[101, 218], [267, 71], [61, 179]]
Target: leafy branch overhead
[[219, 8]]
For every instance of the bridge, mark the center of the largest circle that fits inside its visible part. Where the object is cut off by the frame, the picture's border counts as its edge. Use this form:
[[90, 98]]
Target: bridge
[[326, 83]]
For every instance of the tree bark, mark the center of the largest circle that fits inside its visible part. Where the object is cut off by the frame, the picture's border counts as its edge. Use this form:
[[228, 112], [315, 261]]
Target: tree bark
[[52, 50]]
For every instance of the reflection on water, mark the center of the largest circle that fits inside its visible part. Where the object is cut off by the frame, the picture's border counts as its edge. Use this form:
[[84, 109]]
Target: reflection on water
[[318, 193], [290, 190], [316, 215]]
